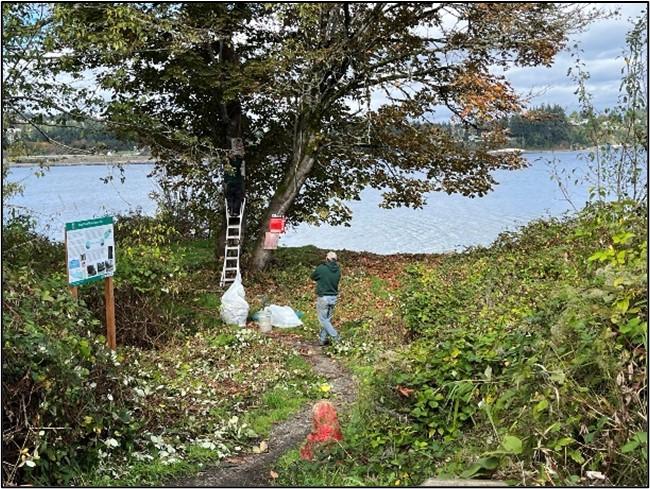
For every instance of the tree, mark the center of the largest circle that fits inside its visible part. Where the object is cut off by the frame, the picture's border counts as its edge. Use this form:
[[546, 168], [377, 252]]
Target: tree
[[616, 165], [541, 127], [297, 80], [34, 97]]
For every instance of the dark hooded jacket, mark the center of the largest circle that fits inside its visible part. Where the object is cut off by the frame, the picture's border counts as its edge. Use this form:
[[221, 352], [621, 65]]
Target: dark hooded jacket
[[327, 276]]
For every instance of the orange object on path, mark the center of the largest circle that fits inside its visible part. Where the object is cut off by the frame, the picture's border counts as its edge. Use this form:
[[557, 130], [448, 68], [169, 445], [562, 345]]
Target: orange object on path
[[325, 429]]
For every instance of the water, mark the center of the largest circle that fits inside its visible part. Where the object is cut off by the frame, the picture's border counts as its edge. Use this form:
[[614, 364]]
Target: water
[[74, 193], [447, 222]]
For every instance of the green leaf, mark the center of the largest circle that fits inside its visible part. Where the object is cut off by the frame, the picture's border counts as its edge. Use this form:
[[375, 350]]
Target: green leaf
[[622, 305], [489, 463], [541, 406], [512, 444], [471, 471], [485, 463], [623, 238], [576, 456], [639, 438], [563, 442], [629, 446]]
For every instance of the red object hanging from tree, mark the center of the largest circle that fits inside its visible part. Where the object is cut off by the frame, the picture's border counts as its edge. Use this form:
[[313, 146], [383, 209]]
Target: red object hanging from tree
[[277, 224]]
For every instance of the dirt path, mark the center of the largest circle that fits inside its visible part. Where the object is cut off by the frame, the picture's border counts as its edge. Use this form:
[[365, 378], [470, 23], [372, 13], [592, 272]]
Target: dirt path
[[253, 469]]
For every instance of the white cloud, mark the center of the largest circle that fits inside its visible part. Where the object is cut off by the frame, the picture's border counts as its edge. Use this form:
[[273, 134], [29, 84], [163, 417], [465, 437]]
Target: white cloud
[[601, 46]]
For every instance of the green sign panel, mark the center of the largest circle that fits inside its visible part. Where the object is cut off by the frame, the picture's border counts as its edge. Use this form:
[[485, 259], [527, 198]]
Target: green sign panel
[[90, 250]]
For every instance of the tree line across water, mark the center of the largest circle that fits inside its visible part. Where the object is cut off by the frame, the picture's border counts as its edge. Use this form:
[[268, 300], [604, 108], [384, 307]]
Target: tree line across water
[[544, 127]]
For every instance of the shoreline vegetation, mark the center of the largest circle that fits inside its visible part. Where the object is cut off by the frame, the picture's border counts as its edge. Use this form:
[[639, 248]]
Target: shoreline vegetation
[[554, 309]]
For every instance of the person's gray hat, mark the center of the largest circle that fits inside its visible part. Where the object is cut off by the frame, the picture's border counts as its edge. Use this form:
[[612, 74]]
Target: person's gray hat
[[331, 256]]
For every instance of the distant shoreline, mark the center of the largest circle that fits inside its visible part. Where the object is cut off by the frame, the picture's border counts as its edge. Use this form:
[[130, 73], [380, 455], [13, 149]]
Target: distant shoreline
[[98, 160], [78, 160]]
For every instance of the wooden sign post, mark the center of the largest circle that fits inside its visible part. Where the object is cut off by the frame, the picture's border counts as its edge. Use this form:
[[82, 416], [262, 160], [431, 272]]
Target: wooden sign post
[[90, 256], [109, 300]]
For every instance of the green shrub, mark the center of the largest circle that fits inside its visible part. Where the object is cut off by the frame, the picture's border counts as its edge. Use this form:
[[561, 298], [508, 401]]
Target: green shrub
[[150, 278], [542, 339], [21, 245], [64, 402], [136, 228]]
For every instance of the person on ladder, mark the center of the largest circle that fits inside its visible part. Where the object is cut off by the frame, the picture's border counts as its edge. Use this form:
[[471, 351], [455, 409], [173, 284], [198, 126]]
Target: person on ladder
[[234, 178], [234, 191]]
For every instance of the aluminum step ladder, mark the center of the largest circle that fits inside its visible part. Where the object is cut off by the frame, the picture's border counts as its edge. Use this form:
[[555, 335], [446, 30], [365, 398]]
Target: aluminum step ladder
[[233, 245]]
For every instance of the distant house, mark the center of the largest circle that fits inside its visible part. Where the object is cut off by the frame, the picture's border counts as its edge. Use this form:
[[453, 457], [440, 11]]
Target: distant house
[[580, 122], [13, 133]]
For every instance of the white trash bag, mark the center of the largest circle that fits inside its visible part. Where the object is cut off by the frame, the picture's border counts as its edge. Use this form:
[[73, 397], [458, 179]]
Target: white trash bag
[[283, 316], [234, 308]]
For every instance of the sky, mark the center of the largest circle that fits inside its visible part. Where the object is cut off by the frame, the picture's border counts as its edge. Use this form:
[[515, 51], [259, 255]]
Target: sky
[[602, 43]]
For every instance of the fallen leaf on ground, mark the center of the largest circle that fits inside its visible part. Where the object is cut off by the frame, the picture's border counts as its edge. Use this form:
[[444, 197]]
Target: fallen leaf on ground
[[595, 475], [405, 391], [273, 474], [262, 448]]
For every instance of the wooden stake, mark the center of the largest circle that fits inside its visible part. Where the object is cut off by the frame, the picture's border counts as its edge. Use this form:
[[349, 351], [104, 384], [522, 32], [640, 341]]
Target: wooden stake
[[109, 300]]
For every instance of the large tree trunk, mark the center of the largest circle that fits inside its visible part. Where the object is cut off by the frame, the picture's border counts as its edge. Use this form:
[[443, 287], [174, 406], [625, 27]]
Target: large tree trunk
[[220, 241], [297, 172]]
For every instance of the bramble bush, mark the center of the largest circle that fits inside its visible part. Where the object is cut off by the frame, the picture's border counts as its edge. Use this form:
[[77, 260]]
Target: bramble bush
[[63, 399], [527, 363], [148, 281], [540, 343]]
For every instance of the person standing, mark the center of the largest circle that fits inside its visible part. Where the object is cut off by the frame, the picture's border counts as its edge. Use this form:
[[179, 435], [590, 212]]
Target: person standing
[[327, 276]]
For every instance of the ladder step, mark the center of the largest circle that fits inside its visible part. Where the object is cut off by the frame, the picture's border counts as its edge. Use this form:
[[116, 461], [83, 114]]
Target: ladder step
[[234, 224]]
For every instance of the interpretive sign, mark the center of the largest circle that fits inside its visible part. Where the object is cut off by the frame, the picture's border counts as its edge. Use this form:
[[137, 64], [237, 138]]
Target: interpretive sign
[[90, 256], [90, 250]]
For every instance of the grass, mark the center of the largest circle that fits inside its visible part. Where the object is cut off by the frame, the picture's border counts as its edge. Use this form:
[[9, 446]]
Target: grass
[[280, 402], [276, 405]]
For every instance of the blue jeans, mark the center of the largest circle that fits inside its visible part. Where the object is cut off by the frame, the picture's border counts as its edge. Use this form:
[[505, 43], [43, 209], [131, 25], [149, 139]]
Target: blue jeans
[[325, 309]]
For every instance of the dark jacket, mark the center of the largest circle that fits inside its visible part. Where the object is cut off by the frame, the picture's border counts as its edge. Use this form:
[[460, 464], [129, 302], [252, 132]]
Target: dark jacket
[[327, 276], [234, 177]]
